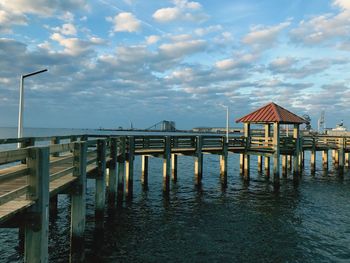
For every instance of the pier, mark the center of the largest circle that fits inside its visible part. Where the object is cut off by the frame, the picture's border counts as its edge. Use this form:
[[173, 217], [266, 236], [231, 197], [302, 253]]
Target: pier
[[32, 176]]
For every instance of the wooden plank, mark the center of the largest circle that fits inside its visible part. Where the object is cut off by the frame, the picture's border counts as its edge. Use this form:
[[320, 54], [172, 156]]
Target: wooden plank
[[13, 155], [13, 172], [13, 194]]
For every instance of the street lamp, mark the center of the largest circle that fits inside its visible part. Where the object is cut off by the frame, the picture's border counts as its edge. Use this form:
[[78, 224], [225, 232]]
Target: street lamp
[[21, 102]]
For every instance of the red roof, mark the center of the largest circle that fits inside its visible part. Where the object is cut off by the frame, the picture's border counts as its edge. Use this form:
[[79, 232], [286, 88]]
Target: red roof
[[272, 113]]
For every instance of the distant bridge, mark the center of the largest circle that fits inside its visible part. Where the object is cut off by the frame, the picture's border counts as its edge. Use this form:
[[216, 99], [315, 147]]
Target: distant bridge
[[163, 125]]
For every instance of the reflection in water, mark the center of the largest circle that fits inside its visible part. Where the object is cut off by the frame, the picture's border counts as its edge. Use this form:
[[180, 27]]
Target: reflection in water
[[306, 220]]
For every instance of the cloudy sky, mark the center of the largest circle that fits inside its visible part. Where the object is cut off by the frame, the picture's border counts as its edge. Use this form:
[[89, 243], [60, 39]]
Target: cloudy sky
[[112, 62]]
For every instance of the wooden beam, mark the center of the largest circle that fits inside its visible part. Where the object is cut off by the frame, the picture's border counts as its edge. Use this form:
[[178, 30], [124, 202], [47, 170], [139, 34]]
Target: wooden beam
[[166, 164], [223, 163], [129, 169], [260, 162], [325, 159], [37, 224], [144, 171], [198, 161], [100, 194], [174, 167], [121, 168], [78, 203], [112, 176], [276, 155]]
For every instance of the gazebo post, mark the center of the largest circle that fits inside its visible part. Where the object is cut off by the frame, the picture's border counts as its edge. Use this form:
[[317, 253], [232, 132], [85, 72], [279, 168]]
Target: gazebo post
[[247, 156], [276, 154], [267, 158], [296, 136]]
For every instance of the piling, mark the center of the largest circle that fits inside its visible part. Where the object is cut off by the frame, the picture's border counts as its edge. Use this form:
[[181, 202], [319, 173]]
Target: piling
[[260, 162], [37, 221], [100, 194], [166, 164], [121, 168], [276, 154], [174, 167], [198, 161], [112, 177], [129, 169], [325, 159], [144, 171], [223, 163], [78, 203]]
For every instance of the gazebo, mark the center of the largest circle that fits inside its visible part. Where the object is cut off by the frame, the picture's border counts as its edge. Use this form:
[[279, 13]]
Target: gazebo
[[267, 144]]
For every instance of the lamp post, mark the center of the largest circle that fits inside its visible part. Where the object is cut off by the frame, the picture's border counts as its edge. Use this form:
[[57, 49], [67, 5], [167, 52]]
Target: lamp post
[[21, 102]]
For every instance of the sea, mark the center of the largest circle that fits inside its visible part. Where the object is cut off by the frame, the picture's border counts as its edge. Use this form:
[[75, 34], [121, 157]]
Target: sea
[[308, 221]]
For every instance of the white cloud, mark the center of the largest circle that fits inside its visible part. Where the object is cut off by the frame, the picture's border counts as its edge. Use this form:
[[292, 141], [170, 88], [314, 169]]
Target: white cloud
[[179, 49], [66, 29], [261, 37], [183, 10], [76, 46], [239, 60], [167, 14], [125, 22], [344, 4], [150, 40]]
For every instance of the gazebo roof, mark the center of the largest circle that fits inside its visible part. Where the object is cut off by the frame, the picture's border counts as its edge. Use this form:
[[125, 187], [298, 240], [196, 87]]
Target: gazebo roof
[[272, 113]]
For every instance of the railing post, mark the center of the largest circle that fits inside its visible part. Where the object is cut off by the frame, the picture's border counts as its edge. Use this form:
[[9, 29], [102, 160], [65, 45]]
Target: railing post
[[129, 169], [37, 223], [112, 177], [100, 194], [166, 164], [198, 161], [121, 168], [55, 140], [223, 162], [78, 203]]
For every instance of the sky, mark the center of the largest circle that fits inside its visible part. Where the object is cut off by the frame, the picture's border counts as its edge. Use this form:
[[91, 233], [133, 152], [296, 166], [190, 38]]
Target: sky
[[112, 63]]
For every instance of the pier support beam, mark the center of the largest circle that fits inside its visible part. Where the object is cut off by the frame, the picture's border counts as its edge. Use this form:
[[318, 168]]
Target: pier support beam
[[78, 203], [144, 171], [341, 154], [260, 162], [276, 154], [241, 163], [297, 153], [325, 160], [166, 164], [247, 156], [129, 169], [313, 161], [198, 161], [112, 177], [37, 223], [267, 158], [100, 194], [290, 162], [284, 165], [223, 163], [347, 160], [174, 167], [121, 169]]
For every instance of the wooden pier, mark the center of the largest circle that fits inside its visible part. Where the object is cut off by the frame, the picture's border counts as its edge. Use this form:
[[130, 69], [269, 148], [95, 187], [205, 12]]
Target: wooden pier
[[32, 176]]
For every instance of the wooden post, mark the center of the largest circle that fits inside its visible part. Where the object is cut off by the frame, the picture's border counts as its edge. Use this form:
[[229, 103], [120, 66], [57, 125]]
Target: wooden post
[[284, 165], [276, 154], [341, 153], [347, 159], [290, 161], [174, 167], [325, 159], [78, 203], [129, 169], [267, 158], [121, 168], [166, 164], [223, 163], [55, 140], [37, 223], [297, 152], [334, 157], [313, 156], [198, 161], [144, 171], [100, 194], [267, 166], [247, 156], [260, 161], [112, 177], [241, 163]]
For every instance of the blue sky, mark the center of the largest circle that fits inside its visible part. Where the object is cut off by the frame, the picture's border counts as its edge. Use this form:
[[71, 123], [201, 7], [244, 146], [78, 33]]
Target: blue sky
[[115, 62]]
